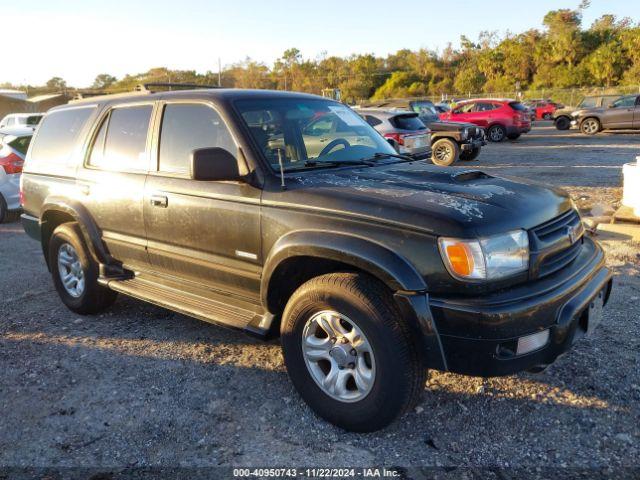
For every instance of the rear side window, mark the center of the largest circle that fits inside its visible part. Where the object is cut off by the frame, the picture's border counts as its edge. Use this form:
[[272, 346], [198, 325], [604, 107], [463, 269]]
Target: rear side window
[[121, 143], [371, 120], [408, 122], [625, 102], [187, 127], [517, 106], [21, 144], [58, 134], [34, 120]]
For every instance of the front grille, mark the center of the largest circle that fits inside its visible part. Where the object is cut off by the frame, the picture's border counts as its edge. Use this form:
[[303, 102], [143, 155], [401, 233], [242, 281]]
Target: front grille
[[552, 245]]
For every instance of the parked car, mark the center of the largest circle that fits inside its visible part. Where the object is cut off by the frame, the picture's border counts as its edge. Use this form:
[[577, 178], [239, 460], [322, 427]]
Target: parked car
[[623, 113], [501, 118], [403, 129], [371, 267], [543, 109], [12, 153], [562, 117], [21, 120], [450, 141]]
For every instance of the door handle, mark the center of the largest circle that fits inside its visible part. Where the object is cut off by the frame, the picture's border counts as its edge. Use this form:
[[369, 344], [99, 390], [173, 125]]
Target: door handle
[[159, 201]]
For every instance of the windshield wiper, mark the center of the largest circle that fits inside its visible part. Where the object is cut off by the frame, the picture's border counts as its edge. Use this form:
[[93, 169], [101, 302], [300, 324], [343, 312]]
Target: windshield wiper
[[363, 161], [378, 155]]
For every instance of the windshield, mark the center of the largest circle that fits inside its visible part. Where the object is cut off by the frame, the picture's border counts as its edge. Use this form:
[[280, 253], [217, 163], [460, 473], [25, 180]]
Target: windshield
[[303, 133], [21, 144], [587, 102]]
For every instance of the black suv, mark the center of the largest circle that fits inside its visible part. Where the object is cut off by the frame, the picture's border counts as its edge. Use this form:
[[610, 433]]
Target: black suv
[[371, 266]]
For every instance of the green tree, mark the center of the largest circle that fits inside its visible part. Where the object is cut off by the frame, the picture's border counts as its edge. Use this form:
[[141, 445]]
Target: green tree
[[56, 83], [104, 80]]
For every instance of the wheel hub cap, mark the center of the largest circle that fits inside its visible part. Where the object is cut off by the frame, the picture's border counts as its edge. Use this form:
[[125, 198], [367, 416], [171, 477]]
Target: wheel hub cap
[[70, 270], [338, 356]]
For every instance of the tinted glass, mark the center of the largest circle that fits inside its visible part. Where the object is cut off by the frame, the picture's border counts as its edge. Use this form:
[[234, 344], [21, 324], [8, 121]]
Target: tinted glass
[[34, 119], [186, 128], [295, 130], [408, 122], [518, 106], [625, 102], [371, 120], [126, 140], [21, 144], [58, 134]]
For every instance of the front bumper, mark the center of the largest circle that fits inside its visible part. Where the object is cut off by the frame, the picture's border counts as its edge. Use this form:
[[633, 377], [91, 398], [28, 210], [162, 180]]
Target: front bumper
[[477, 336], [473, 144]]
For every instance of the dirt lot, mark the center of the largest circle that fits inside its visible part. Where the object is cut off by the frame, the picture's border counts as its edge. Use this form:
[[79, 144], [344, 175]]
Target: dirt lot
[[141, 386]]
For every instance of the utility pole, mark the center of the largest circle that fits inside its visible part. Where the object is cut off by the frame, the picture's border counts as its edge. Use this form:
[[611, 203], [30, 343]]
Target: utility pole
[[219, 73]]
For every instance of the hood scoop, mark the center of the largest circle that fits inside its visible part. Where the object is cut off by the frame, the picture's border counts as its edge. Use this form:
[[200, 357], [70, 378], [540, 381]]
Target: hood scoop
[[469, 175]]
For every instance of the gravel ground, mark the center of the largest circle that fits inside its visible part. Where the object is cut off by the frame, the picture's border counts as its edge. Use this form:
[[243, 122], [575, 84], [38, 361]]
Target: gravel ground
[[142, 386]]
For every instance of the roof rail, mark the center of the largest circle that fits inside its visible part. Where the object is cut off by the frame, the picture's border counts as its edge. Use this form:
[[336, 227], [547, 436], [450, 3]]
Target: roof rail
[[151, 87]]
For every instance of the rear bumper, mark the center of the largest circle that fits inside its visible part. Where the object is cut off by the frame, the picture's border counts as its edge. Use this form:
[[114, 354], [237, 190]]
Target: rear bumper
[[478, 336]]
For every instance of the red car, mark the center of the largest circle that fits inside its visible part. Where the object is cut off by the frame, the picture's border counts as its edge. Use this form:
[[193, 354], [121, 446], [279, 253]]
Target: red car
[[501, 118], [545, 110]]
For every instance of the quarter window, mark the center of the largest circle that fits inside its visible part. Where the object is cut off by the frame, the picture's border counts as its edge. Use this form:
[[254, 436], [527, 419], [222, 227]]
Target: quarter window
[[187, 127], [122, 140], [58, 134]]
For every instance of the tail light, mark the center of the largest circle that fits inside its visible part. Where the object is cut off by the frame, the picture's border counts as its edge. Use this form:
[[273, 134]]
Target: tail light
[[12, 163], [397, 137]]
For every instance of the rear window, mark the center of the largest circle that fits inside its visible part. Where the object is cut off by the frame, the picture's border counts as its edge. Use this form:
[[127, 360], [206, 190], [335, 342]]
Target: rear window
[[408, 122], [58, 134], [21, 144], [371, 120], [518, 106]]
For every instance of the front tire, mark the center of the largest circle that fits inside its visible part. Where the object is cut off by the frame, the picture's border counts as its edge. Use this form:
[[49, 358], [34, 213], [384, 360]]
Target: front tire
[[590, 126], [75, 273], [472, 155], [562, 123], [444, 152], [349, 353], [496, 133]]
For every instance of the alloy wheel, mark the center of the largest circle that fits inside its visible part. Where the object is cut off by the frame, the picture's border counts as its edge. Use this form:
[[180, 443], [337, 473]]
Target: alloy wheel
[[70, 270], [338, 356]]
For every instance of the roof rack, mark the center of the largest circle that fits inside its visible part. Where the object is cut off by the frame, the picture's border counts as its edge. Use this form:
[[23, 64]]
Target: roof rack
[[151, 87]]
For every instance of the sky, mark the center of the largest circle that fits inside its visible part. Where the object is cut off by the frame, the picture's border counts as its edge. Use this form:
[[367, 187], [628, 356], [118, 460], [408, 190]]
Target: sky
[[79, 39]]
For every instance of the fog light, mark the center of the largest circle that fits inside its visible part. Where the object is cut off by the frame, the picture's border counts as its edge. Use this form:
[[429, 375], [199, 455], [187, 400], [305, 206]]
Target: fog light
[[532, 342]]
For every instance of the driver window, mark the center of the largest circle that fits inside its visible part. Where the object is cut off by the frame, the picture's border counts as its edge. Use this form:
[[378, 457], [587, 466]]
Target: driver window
[[465, 108]]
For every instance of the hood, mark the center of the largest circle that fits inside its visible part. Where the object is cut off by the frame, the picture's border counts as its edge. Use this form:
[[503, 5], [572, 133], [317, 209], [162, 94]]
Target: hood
[[442, 201]]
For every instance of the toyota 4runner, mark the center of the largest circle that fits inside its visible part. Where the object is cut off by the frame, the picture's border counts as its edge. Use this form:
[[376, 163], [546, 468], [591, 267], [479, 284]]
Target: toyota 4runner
[[371, 266]]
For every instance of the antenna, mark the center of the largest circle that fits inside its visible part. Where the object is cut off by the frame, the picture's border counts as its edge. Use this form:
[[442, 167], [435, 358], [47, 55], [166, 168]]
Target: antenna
[[282, 184]]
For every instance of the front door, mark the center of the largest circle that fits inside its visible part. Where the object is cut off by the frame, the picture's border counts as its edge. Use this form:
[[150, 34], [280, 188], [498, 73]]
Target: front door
[[204, 232], [620, 114], [112, 181]]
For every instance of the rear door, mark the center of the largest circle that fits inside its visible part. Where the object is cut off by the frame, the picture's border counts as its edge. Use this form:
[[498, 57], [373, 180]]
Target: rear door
[[205, 232], [113, 177]]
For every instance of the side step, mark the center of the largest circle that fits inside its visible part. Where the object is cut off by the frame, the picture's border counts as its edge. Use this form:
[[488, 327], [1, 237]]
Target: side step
[[207, 309]]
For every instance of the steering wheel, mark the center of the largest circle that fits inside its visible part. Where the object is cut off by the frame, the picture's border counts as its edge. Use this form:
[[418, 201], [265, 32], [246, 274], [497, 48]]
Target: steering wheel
[[333, 144]]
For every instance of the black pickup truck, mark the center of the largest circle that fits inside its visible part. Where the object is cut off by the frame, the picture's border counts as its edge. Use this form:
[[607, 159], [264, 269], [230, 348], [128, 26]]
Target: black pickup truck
[[371, 266]]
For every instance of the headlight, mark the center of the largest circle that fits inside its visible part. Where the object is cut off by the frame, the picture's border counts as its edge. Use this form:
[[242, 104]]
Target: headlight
[[488, 258], [464, 133]]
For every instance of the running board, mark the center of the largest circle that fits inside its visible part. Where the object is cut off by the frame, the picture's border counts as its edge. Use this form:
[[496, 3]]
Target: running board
[[207, 309]]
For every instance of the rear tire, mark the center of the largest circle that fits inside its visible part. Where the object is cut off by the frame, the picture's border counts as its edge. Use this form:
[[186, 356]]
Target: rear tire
[[394, 370], [69, 258], [444, 152], [496, 133], [472, 155], [562, 123], [590, 126]]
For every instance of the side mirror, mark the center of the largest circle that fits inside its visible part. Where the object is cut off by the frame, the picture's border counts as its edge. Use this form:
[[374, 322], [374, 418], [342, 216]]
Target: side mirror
[[214, 164]]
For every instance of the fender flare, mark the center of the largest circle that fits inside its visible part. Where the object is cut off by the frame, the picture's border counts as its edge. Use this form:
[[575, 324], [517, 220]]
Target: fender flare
[[90, 231], [388, 266]]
